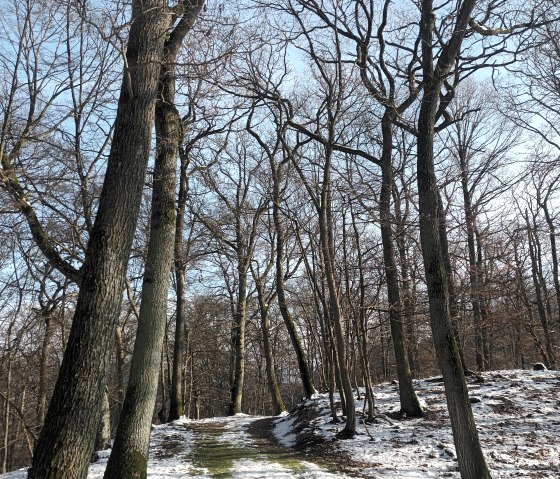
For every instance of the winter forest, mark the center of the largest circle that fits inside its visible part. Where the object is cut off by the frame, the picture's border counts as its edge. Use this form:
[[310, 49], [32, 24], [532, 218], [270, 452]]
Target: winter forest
[[209, 209]]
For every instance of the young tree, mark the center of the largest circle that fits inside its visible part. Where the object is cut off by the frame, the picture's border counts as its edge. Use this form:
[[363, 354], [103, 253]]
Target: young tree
[[279, 156]]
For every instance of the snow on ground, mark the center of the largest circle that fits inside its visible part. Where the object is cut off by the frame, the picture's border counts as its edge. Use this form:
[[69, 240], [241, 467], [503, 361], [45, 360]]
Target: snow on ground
[[517, 413], [215, 447]]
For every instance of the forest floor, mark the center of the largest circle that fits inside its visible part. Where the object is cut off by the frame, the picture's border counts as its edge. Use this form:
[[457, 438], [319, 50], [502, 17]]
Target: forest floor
[[517, 414]]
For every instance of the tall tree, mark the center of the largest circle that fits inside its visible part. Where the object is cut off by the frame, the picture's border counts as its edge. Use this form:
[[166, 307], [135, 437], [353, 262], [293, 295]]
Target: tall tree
[[379, 73], [435, 72], [66, 441], [129, 457], [278, 176]]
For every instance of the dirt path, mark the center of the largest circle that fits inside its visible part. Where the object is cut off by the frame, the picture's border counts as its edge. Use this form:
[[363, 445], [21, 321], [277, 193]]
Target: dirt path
[[245, 447], [321, 453]]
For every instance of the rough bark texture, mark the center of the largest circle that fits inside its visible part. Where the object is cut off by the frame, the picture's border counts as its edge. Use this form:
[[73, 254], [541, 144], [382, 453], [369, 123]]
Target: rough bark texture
[[327, 248], [130, 450], [238, 341], [469, 452], [129, 457], [176, 403], [103, 436], [66, 441]]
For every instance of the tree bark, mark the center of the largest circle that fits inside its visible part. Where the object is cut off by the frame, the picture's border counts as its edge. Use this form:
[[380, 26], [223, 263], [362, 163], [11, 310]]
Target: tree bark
[[469, 452], [129, 457], [103, 436], [327, 248], [66, 441], [272, 379], [238, 341], [176, 397], [277, 173], [410, 406], [304, 371]]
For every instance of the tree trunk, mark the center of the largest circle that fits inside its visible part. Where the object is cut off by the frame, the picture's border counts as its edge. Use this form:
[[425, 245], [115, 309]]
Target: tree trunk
[[129, 457], [66, 441], [176, 406], [361, 326], [407, 290], [103, 436], [469, 452], [6, 432], [305, 373], [453, 303], [121, 376], [238, 342], [467, 445], [272, 380], [410, 406], [327, 248]]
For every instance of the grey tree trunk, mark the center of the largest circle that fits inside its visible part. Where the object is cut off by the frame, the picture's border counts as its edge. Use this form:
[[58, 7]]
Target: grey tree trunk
[[129, 457], [410, 406], [176, 401], [472, 464], [407, 281], [453, 304], [130, 450], [67, 439], [277, 174], [327, 249], [103, 436], [272, 378], [304, 371], [121, 376], [361, 325], [238, 341]]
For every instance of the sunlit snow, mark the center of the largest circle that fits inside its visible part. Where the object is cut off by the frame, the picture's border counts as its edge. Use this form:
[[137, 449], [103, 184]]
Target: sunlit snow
[[517, 413]]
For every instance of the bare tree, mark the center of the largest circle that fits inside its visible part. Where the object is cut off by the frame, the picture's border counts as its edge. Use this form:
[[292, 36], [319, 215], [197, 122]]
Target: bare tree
[[66, 441], [129, 457]]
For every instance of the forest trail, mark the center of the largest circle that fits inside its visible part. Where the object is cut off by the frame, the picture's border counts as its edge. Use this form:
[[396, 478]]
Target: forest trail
[[517, 413], [231, 447], [223, 448]]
